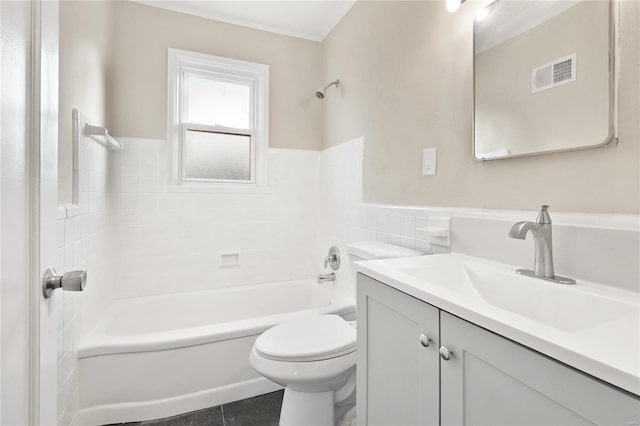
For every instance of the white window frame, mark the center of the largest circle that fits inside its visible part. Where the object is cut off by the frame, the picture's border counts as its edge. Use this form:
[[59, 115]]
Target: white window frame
[[254, 75]]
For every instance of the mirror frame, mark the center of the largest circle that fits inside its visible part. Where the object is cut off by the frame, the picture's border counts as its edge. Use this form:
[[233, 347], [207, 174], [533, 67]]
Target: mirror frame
[[614, 17]]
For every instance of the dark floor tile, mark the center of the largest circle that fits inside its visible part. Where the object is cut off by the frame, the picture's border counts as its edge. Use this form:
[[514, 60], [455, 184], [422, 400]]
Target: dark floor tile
[[263, 410], [123, 424], [207, 417]]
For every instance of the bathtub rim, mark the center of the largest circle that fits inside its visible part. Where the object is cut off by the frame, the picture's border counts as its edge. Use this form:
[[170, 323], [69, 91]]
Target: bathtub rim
[[97, 343]]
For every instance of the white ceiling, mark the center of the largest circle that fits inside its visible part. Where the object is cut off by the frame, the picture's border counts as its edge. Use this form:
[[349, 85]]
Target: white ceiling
[[507, 19], [308, 19]]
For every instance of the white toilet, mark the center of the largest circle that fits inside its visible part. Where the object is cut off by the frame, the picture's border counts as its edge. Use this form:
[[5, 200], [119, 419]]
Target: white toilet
[[315, 358]]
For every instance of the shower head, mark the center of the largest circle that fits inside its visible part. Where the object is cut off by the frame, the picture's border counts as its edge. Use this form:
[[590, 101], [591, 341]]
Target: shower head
[[320, 93]]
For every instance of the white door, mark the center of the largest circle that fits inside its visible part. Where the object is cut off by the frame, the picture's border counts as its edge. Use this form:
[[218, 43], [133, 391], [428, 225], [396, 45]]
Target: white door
[[28, 151], [45, 191]]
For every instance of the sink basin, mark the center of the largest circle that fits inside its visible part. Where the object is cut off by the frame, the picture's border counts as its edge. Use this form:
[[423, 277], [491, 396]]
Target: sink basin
[[556, 305]]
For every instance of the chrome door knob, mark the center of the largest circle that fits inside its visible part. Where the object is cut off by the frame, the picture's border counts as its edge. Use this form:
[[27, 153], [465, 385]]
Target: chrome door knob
[[424, 340], [74, 280], [445, 353], [70, 281]]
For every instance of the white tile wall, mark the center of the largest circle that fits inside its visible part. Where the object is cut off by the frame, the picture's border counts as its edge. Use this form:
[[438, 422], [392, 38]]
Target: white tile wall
[[341, 215], [81, 244], [169, 242]]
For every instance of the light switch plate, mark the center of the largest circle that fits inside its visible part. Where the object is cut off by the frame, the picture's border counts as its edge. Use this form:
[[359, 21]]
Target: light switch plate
[[429, 162]]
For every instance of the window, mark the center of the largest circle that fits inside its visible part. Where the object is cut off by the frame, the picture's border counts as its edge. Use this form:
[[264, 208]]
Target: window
[[217, 120]]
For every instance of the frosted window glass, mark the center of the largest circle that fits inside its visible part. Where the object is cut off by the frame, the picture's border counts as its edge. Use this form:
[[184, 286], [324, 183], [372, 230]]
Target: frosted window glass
[[216, 102], [212, 155]]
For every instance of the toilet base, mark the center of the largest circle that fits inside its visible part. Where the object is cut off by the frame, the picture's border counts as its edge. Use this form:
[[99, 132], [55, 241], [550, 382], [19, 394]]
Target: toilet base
[[307, 408]]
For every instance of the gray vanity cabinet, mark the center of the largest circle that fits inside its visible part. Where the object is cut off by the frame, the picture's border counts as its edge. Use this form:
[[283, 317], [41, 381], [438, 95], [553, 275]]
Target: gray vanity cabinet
[[490, 380], [487, 380], [398, 372]]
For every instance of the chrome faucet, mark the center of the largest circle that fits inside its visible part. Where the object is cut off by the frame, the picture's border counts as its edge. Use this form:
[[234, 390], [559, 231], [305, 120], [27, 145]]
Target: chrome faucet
[[541, 231], [542, 239]]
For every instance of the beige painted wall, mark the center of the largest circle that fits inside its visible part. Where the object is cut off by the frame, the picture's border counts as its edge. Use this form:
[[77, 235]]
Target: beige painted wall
[[85, 43], [406, 69], [508, 116], [137, 93]]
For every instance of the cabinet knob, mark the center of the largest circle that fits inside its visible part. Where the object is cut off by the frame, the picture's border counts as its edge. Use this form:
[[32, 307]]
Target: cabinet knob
[[445, 353], [424, 340]]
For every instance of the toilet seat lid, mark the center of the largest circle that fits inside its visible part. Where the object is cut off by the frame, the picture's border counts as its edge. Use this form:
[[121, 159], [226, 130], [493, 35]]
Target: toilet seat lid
[[309, 339]]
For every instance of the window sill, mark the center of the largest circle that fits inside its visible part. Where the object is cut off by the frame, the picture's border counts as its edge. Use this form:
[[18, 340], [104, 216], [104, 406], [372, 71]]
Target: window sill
[[205, 189]]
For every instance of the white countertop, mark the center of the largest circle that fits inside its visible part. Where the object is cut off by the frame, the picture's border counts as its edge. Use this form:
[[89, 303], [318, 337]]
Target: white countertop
[[602, 345]]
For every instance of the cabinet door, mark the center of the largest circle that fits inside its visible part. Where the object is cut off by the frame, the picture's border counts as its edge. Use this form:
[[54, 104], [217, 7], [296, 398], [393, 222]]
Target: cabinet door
[[490, 380], [398, 377]]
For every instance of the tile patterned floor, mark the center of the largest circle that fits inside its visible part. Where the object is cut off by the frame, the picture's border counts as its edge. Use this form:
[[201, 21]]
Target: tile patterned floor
[[263, 410]]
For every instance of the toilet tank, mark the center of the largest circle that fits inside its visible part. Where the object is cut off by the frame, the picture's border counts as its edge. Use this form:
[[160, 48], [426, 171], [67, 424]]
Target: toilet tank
[[369, 250]]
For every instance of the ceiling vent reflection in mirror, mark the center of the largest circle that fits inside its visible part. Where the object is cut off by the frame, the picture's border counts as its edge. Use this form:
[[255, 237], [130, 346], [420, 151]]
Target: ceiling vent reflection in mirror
[[554, 74]]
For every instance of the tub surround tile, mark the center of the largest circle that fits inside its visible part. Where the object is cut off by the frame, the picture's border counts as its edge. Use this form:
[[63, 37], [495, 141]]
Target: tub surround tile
[[81, 245], [195, 227]]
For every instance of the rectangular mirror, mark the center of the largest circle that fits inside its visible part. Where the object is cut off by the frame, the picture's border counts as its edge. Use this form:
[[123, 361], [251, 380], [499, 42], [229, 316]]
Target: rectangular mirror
[[543, 77]]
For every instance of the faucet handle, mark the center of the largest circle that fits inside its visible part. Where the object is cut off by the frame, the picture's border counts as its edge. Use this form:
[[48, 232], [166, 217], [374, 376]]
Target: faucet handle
[[333, 258], [543, 215]]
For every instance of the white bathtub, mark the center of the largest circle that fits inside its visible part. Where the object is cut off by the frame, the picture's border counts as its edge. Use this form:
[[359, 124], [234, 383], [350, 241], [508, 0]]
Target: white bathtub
[[158, 356]]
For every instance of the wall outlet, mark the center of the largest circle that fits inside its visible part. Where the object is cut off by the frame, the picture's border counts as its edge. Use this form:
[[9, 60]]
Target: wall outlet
[[429, 162]]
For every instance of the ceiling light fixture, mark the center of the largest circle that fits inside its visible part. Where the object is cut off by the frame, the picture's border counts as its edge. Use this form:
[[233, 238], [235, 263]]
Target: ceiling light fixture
[[453, 5], [482, 13]]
